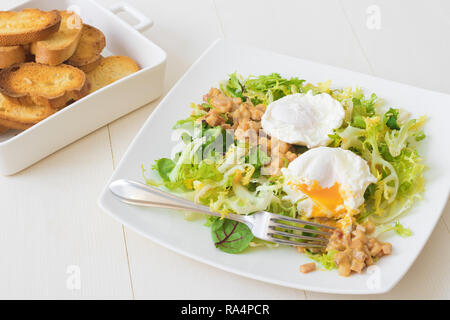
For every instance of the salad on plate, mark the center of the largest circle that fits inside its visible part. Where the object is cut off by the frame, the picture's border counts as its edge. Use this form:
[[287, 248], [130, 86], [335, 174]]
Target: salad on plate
[[334, 156]]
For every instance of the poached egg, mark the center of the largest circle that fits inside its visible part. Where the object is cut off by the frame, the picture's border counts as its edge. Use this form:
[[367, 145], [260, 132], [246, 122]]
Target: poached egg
[[328, 183], [303, 119]]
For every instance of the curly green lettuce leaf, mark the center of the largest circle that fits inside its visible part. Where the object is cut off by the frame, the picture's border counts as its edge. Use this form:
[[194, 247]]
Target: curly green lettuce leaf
[[397, 227], [233, 87], [283, 207], [388, 143], [189, 173], [226, 185], [190, 122], [352, 138], [362, 108], [262, 89], [410, 169], [231, 197], [390, 119], [272, 87], [325, 259], [396, 140], [182, 173]]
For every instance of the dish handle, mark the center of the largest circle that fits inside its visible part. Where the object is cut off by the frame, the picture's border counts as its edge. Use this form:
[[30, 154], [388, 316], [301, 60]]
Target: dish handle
[[144, 22]]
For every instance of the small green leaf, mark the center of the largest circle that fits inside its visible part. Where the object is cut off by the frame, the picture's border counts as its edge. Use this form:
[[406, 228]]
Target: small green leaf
[[336, 140], [186, 138], [164, 166], [390, 118], [187, 123], [401, 230], [231, 236], [233, 88], [358, 122], [419, 136], [207, 171]]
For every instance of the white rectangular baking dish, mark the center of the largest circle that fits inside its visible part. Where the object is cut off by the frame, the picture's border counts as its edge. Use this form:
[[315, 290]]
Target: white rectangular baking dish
[[19, 150]]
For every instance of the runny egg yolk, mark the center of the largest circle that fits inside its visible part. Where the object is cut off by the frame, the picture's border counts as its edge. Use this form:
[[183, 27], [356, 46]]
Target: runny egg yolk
[[328, 202]]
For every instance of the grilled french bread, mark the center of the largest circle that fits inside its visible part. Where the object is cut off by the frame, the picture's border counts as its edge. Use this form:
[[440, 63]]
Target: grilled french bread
[[27, 26], [53, 86], [88, 54], [12, 55], [110, 70], [14, 125], [61, 45], [23, 114]]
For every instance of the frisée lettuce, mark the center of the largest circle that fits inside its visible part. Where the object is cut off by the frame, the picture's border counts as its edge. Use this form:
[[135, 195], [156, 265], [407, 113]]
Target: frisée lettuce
[[215, 169]]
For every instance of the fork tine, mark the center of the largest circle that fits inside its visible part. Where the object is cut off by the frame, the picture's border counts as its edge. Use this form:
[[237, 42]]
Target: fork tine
[[306, 223], [288, 227], [297, 236], [297, 244]]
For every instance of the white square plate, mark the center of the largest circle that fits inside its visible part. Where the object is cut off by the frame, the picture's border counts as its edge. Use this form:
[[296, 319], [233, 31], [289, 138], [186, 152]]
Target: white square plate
[[281, 265]]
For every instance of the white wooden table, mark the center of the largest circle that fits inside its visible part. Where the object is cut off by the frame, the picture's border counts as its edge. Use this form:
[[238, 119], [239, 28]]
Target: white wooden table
[[51, 231]]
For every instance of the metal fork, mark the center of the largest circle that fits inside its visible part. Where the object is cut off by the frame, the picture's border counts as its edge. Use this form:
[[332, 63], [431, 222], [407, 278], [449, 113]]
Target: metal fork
[[264, 225]]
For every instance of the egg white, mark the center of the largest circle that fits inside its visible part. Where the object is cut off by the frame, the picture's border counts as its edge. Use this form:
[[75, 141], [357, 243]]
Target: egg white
[[303, 119], [341, 173]]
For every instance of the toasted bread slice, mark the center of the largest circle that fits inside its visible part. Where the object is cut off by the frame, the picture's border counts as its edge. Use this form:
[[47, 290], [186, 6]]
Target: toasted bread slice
[[3, 129], [24, 114], [43, 85], [89, 49], [110, 70], [12, 55], [15, 125], [27, 26], [59, 46], [91, 66]]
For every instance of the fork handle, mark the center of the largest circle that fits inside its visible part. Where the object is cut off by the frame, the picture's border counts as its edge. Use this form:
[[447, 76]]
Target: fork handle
[[136, 193]]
